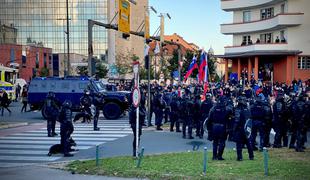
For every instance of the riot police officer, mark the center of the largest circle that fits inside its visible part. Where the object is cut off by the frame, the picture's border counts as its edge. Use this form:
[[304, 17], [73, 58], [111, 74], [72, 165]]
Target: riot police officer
[[187, 107], [66, 127], [159, 106], [280, 122], [98, 103], [86, 102], [167, 98], [299, 115], [217, 123], [51, 110], [132, 120], [242, 128], [197, 115], [259, 112], [174, 113], [206, 106]]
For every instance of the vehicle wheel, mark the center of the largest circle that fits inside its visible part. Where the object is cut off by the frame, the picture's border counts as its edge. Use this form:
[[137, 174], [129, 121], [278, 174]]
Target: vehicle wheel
[[43, 111], [111, 111]]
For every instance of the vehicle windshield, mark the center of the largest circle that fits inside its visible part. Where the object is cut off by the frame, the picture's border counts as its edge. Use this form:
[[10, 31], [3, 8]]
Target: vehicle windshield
[[99, 86]]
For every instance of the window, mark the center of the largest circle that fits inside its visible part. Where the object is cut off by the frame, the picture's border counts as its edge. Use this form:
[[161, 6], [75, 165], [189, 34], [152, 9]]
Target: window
[[246, 16], [266, 13], [283, 8], [246, 40], [304, 62], [266, 38], [282, 36]]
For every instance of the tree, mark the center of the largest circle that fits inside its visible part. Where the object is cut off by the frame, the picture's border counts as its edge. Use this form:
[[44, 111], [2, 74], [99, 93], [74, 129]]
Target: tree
[[124, 62], [82, 70], [101, 70], [44, 72]]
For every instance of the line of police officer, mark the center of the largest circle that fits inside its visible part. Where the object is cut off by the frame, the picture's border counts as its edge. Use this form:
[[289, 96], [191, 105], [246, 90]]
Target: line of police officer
[[235, 118]]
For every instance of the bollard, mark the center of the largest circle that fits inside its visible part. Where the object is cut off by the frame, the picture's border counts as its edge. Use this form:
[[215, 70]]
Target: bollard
[[205, 160], [266, 161], [97, 155], [140, 157]]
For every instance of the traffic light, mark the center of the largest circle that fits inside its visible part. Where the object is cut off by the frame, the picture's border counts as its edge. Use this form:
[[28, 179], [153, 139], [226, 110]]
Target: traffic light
[[126, 36]]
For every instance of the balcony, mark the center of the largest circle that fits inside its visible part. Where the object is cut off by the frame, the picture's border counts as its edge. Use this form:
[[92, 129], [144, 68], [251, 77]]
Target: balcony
[[256, 48], [234, 5], [277, 22]]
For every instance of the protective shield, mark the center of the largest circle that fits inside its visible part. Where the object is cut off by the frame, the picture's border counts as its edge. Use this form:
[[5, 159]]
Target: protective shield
[[248, 128]]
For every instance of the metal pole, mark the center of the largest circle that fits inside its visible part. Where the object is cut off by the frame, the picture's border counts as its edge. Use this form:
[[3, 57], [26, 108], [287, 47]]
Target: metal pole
[[265, 160], [140, 157], [97, 155], [179, 61], [205, 159], [137, 121], [90, 45], [149, 93], [68, 50]]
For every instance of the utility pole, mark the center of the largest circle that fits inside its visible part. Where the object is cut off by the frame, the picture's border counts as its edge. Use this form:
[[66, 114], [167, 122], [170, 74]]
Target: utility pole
[[180, 63], [68, 50]]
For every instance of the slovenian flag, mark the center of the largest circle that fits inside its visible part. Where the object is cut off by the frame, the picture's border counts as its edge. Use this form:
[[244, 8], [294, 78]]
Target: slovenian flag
[[191, 68], [203, 63]]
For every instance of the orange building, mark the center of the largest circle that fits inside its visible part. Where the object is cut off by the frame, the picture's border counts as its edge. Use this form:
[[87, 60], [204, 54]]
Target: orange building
[[270, 39]]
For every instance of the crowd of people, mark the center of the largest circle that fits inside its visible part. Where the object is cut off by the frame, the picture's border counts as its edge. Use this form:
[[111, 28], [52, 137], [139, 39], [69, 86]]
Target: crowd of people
[[232, 111]]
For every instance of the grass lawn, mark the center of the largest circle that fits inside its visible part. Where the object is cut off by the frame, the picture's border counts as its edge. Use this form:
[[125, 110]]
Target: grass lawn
[[283, 164]]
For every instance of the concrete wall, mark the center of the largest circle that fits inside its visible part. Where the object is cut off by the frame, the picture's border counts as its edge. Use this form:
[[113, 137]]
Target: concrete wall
[[299, 37]]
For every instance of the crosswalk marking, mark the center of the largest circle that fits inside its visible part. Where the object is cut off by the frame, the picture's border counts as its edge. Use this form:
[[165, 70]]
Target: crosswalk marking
[[27, 146], [56, 138], [32, 146], [74, 135]]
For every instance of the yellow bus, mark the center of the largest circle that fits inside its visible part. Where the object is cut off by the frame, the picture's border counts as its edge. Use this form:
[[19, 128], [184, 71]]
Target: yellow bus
[[7, 79]]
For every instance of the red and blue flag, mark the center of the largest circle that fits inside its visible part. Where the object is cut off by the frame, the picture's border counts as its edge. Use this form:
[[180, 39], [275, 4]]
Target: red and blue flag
[[191, 68]]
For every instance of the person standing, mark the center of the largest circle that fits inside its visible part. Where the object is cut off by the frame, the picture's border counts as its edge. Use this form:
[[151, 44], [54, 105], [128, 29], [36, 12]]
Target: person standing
[[86, 102], [4, 102], [242, 128], [24, 100], [17, 92], [217, 128], [66, 127], [188, 113], [174, 113], [52, 111], [159, 105], [132, 120], [206, 106], [98, 103]]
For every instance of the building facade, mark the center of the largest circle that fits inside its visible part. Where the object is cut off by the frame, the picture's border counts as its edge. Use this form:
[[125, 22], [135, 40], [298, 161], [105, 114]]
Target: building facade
[[44, 22], [30, 60], [120, 49], [270, 39]]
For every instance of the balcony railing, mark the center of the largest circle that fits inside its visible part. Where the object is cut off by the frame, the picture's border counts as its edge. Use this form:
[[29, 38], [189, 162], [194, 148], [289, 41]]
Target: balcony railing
[[256, 47], [277, 22], [232, 5]]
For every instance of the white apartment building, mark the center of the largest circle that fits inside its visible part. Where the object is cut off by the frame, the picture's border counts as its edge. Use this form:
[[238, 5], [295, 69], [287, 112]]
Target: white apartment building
[[271, 39]]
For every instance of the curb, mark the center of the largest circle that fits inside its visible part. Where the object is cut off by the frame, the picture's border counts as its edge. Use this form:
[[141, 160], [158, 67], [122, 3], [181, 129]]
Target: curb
[[13, 125]]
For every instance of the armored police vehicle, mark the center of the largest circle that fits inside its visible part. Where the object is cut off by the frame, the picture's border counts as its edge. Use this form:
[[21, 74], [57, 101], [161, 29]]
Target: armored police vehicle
[[72, 88]]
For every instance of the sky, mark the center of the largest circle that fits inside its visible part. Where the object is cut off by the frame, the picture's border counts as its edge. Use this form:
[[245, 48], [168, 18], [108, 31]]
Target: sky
[[197, 21]]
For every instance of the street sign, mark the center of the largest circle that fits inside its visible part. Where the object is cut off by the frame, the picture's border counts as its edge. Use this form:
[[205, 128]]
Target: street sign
[[124, 16], [136, 96]]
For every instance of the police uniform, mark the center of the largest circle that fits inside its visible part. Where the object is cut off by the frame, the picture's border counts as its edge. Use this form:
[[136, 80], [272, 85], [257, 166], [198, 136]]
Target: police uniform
[[197, 116], [132, 120], [86, 102], [159, 106], [66, 127], [259, 111], [174, 114], [206, 106], [217, 128], [52, 111], [242, 128], [98, 103], [188, 113], [280, 122]]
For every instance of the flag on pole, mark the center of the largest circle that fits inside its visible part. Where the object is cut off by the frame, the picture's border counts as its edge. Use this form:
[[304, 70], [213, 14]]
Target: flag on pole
[[206, 75], [202, 66], [191, 68], [157, 49]]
